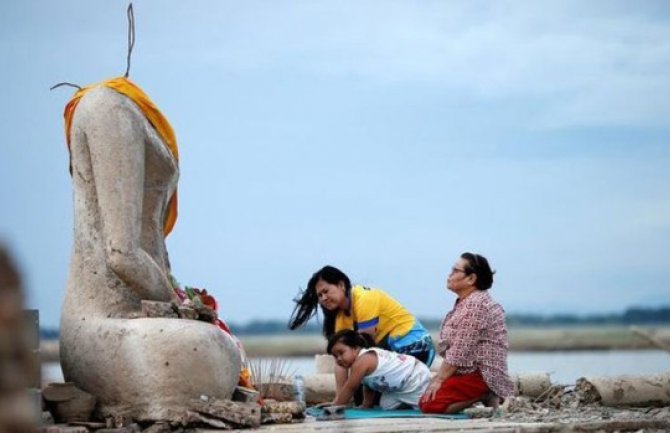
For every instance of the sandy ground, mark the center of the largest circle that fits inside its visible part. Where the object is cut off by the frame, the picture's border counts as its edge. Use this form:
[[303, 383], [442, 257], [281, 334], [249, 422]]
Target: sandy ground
[[521, 416], [593, 419]]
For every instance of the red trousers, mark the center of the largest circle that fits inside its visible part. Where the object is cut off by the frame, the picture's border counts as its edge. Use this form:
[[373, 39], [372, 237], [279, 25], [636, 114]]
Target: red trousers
[[454, 390]]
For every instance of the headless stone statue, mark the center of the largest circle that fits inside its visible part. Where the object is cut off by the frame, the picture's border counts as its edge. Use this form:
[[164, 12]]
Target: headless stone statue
[[145, 368]]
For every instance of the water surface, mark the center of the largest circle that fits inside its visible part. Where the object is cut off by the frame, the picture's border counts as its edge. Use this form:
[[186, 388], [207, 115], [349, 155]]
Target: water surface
[[565, 367]]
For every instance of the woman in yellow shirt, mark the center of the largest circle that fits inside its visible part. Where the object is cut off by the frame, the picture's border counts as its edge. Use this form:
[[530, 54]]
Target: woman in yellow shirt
[[362, 309]]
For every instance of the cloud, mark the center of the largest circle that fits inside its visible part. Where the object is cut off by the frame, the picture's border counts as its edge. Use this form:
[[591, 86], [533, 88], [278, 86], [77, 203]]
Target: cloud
[[595, 64]]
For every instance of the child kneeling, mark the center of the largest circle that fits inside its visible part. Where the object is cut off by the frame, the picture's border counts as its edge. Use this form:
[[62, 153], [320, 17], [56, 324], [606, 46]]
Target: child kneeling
[[401, 379]]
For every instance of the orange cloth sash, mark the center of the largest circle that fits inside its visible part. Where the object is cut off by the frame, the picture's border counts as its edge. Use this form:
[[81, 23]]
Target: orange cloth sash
[[125, 87]]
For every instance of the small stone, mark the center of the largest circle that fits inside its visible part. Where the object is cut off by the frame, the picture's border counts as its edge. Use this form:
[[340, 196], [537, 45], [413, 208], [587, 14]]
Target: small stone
[[206, 314], [89, 425], [131, 428], [479, 412], [158, 309], [246, 395], [62, 428], [276, 418], [187, 312], [159, 427]]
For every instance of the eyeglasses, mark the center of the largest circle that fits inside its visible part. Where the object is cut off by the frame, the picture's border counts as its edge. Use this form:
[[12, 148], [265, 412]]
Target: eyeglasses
[[455, 270]]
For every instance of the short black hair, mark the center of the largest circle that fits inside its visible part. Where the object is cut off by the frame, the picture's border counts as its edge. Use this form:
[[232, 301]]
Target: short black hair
[[479, 266], [350, 338]]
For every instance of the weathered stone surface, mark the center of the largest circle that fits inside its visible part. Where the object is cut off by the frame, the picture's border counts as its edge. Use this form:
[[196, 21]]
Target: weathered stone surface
[[205, 313], [62, 428], [243, 414], [67, 403], [89, 425], [198, 418], [132, 428], [245, 395], [277, 388], [319, 388], [31, 336], [479, 412], [276, 418], [159, 309], [295, 408], [123, 176], [187, 312], [627, 390], [159, 427], [325, 364], [531, 384]]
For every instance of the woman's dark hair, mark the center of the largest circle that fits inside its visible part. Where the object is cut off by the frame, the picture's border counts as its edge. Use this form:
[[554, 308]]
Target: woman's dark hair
[[350, 338], [479, 266], [307, 301]]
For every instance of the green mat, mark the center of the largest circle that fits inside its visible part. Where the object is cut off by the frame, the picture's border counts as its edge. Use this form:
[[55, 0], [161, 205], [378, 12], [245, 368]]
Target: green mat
[[353, 413]]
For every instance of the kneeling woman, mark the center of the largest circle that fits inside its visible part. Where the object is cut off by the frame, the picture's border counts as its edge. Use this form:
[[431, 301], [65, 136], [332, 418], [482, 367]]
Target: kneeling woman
[[473, 342], [401, 379], [362, 309]]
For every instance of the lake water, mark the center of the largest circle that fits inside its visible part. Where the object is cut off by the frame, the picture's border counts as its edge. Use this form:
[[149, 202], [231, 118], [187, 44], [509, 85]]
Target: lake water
[[565, 367]]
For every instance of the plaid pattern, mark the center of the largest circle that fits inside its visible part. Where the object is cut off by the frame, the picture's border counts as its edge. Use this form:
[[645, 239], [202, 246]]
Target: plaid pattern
[[473, 336]]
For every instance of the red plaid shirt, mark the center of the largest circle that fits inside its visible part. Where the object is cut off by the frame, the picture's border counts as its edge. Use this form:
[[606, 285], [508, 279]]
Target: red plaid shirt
[[473, 337]]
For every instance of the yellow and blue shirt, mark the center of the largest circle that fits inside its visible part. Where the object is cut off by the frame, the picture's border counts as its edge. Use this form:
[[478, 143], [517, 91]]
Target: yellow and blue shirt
[[396, 328]]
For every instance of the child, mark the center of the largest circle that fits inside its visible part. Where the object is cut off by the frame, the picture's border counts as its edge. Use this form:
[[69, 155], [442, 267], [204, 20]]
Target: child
[[401, 379]]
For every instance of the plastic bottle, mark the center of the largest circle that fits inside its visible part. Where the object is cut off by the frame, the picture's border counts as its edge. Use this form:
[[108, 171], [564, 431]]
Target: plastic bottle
[[299, 388]]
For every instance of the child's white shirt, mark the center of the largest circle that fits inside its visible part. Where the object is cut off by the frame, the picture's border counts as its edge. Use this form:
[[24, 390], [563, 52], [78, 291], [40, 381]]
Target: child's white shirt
[[401, 379]]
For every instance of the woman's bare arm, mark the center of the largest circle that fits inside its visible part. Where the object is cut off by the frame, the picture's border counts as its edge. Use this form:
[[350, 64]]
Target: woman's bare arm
[[445, 372]]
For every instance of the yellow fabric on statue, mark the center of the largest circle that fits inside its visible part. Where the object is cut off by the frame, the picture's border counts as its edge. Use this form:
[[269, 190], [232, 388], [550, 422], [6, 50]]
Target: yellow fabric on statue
[[153, 115]]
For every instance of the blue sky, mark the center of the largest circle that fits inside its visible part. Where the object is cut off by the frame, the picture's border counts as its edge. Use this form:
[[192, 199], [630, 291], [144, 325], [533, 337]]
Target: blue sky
[[381, 137]]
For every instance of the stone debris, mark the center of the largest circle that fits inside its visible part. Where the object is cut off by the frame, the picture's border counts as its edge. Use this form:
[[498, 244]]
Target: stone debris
[[627, 390], [568, 407], [204, 413], [276, 418], [171, 310], [132, 428], [245, 395], [187, 312], [239, 414], [295, 408], [159, 309], [532, 384], [197, 418], [159, 427], [62, 428], [67, 403], [89, 425], [277, 388], [479, 412]]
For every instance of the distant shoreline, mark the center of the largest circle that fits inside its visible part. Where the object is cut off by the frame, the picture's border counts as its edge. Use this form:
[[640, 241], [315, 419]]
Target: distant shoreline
[[522, 339]]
